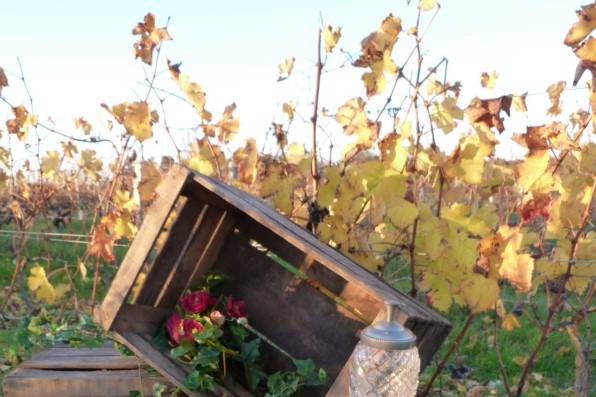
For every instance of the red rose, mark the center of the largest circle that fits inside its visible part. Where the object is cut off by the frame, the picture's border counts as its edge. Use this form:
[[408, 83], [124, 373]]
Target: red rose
[[197, 302], [236, 308], [174, 325], [189, 325]]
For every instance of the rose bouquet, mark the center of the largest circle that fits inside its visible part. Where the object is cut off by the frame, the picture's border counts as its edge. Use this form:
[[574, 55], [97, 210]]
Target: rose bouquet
[[211, 333]]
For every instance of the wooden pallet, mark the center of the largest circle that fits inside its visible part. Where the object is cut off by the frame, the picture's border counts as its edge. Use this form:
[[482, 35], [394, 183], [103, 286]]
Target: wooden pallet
[[62, 371], [218, 227]]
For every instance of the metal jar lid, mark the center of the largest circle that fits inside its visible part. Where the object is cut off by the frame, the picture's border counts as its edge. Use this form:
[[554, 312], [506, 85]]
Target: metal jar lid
[[388, 334]]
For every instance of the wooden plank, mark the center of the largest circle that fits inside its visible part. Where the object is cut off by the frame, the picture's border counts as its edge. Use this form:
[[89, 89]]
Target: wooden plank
[[57, 351], [82, 362], [140, 318], [186, 221], [302, 321], [201, 252], [307, 242], [23, 382], [167, 193], [176, 373]]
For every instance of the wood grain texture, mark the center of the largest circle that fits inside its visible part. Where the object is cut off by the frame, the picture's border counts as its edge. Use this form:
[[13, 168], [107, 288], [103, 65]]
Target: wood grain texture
[[167, 193], [65, 371], [188, 219]]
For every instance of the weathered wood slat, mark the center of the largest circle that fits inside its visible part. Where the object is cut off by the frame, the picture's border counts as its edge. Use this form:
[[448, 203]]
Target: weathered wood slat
[[140, 318], [188, 219], [25, 382], [201, 251], [167, 193], [82, 362]]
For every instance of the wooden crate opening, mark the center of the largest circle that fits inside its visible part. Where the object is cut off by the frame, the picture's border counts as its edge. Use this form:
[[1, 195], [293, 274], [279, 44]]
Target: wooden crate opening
[[303, 295]]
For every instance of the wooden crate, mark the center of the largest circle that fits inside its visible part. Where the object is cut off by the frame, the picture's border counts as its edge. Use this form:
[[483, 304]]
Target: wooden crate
[[62, 371], [215, 228]]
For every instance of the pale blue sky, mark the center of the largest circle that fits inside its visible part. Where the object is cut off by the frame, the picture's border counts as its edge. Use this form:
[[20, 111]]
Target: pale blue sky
[[77, 54]]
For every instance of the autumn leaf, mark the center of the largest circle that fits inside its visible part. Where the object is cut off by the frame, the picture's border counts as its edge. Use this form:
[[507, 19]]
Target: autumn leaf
[[403, 213], [554, 93], [285, 68], [515, 267], [69, 149], [135, 117], [90, 164], [193, 91], [21, 122], [3, 80], [393, 153], [532, 169], [207, 158], [519, 102], [587, 52], [480, 293], [541, 137], [487, 111], [330, 37], [150, 179], [289, 108], [102, 244], [123, 226], [280, 188], [150, 38], [50, 163], [583, 27], [83, 124], [445, 114], [245, 160], [38, 282], [488, 80], [427, 5], [376, 54]]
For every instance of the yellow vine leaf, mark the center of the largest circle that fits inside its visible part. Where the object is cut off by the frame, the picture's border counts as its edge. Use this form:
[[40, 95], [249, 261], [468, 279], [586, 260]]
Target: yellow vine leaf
[[329, 183], [330, 37], [21, 122], [510, 322], [193, 91], [376, 54], [519, 102], [50, 163], [587, 51], [289, 108], [135, 117], [207, 158], [489, 80], [445, 114], [479, 222], [150, 179], [285, 68], [124, 201], [124, 226], [69, 149], [3, 80], [90, 164], [480, 293], [532, 169], [587, 163], [393, 153], [245, 159], [3, 179], [438, 291], [150, 38], [403, 213], [586, 23], [280, 188], [38, 282], [554, 93], [427, 5], [515, 267], [83, 124], [295, 153], [228, 124]]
